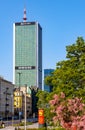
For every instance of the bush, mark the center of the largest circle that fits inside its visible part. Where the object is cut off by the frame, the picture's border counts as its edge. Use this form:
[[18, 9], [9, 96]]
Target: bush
[[28, 129], [68, 113], [42, 128], [1, 127], [59, 128]]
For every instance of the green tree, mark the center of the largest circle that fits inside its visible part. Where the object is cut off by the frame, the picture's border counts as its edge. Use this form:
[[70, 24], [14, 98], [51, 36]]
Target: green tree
[[69, 76], [43, 99]]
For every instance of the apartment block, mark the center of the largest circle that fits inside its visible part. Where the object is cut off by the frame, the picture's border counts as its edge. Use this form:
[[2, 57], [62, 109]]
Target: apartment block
[[6, 98]]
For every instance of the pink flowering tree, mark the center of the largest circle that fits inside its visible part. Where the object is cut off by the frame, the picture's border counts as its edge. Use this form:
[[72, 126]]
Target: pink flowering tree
[[68, 112]]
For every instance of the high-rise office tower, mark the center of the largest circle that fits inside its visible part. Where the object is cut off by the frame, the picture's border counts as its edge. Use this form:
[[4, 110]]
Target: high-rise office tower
[[27, 54], [47, 72]]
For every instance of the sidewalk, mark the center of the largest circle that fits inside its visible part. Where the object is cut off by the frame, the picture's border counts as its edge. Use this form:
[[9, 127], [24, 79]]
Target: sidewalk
[[8, 128], [35, 125]]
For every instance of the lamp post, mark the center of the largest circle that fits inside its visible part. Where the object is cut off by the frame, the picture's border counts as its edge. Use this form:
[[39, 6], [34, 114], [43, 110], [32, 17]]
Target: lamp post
[[19, 79], [1, 113], [12, 107], [7, 104], [0, 96], [25, 107], [19, 73]]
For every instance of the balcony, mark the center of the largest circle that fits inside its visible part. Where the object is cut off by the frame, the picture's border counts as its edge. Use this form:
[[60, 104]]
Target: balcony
[[7, 99], [6, 104]]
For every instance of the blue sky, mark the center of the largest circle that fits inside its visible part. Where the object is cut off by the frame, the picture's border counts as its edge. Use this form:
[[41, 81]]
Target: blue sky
[[62, 21]]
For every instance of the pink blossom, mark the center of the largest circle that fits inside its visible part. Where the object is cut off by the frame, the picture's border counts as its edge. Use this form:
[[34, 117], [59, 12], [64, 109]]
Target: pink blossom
[[68, 112], [62, 95], [52, 102], [56, 97], [55, 119]]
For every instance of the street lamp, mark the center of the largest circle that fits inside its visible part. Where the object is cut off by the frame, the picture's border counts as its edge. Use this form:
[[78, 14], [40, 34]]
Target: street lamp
[[12, 108], [25, 107], [19, 79], [7, 103], [0, 95], [1, 113], [19, 93]]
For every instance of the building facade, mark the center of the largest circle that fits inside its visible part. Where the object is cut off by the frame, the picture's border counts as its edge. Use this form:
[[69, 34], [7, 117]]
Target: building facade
[[47, 72], [27, 54], [6, 98], [19, 102]]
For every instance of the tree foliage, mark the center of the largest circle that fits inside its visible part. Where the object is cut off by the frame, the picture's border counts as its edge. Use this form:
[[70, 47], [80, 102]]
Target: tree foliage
[[69, 76], [43, 103]]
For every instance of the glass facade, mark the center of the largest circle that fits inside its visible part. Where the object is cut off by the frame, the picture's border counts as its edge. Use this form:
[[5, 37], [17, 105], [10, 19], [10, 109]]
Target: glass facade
[[27, 54], [47, 72]]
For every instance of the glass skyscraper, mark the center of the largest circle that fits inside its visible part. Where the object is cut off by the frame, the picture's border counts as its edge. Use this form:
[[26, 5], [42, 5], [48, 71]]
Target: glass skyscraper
[[47, 72], [27, 54]]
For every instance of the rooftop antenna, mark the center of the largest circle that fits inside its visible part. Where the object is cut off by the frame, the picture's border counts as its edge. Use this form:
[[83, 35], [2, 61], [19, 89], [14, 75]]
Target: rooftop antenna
[[24, 17]]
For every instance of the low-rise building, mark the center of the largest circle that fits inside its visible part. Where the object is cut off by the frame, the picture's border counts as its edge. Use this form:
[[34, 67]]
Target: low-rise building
[[19, 102], [6, 98]]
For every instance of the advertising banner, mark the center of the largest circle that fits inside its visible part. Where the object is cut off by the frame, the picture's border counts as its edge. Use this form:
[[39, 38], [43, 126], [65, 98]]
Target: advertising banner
[[41, 116]]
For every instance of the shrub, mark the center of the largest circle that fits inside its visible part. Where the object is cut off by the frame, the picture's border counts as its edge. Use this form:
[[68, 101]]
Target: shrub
[[1, 127], [60, 128], [68, 112]]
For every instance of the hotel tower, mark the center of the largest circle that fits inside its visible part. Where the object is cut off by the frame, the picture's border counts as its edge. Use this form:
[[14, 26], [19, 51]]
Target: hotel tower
[[27, 54]]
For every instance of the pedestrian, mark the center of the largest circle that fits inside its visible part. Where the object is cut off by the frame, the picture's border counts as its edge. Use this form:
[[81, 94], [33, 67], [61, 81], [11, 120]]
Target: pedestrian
[[16, 128], [3, 124]]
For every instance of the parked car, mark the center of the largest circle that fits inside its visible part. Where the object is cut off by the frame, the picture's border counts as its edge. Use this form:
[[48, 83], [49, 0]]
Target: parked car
[[1, 118], [33, 120], [15, 117]]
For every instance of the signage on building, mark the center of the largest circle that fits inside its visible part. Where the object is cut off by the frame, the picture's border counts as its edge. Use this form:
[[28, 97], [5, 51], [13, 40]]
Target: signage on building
[[20, 113]]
